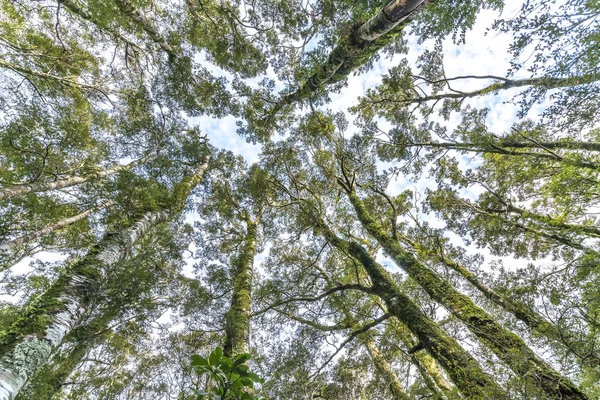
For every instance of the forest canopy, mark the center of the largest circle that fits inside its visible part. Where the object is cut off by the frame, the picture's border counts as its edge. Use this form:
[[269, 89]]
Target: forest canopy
[[327, 199]]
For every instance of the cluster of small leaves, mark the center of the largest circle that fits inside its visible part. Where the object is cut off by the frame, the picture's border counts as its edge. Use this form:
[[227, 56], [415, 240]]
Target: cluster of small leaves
[[226, 378]]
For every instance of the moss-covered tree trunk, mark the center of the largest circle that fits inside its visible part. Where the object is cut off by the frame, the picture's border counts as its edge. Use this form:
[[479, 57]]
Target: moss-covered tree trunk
[[18, 190], [428, 368], [534, 320], [507, 346], [27, 344], [463, 369], [237, 319], [48, 381], [355, 49]]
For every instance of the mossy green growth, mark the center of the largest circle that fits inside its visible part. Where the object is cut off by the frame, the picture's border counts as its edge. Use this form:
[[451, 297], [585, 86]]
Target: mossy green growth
[[508, 346], [237, 319]]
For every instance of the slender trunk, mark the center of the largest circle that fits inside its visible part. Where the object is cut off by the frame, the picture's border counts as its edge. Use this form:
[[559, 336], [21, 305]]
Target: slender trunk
[[425, 363], [494, 215], [356, 48], [504, 149], [18, 190], [237, 325], [384, 368], [27, 344], [535, 321], [507, 346], [146, 25], [463, 369], [62, 80], [503, 84], [381, 364], [555, 223], [20, 241]]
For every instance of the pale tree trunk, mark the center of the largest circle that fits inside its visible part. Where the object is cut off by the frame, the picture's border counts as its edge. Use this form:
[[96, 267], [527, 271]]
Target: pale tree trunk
[[146, 25], [508, 347], [48, 381], [503, 84], [508, 150], [27, 344], [428, 368], [384, 368], [356, 49], [18, 190], [463, 369], [237, 319], [62, 80], [22, 240]]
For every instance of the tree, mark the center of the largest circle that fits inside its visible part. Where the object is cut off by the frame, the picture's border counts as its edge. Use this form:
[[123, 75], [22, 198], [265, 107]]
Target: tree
[[417, 245]]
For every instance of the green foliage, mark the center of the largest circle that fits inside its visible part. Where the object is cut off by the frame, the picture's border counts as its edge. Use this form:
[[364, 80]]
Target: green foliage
[[226, 378]]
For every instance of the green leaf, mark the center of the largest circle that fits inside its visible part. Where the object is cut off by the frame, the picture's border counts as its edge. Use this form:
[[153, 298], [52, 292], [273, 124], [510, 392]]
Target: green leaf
[[255, 377], [199, 360], [215, 356], [241, 359]]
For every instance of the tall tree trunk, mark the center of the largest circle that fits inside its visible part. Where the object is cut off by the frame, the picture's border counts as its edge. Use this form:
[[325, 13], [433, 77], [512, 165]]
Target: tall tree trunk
[[463, 369], [48, 381], [425, 363], [535, 321], [507, 151], [507, 346], [356, 48], [146, 25], [384, 368], [20, 241], [503, 84], [381, 364], [27, 344], [237, 319], [18, 190]]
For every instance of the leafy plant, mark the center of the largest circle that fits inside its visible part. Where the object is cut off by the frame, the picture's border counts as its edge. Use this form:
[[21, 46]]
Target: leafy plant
[[226, 378]]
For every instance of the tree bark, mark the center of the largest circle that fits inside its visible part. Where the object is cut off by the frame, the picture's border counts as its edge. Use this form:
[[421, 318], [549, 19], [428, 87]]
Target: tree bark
[[381, 364], [28, 343], [146, 25], [535, 321], [237, 319], [356, 48], [19, 190], [425, 363], [503, 84], [20, 241], [463, 369], [508, 347], [504, 148], [384, 368]]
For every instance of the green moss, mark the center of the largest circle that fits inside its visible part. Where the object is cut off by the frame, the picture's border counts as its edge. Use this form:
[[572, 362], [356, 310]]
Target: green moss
[[237, 319], [508, 346]]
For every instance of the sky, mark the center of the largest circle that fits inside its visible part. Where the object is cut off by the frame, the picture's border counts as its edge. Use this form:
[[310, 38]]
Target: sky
[[482, 54]]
